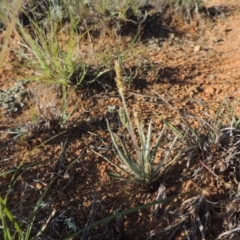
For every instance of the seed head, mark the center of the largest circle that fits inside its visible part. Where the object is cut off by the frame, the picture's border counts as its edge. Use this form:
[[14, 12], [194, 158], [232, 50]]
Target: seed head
[[119, 79]]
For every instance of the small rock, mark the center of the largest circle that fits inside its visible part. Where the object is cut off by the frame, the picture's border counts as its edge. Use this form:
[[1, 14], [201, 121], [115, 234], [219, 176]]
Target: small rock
[[38, 186], [197, 49], [212, 77], [210, 91]]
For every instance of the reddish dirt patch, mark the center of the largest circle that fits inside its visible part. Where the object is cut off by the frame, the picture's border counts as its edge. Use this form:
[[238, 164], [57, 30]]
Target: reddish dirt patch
[[193, 71]]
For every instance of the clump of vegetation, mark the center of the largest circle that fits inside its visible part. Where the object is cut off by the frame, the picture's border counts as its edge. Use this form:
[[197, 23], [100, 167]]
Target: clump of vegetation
[[215, 142], [51, 44], [142, 168], [51, 35], [187, 8]]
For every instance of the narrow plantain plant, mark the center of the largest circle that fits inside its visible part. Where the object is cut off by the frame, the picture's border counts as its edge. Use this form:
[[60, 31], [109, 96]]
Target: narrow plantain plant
[[142, 168]]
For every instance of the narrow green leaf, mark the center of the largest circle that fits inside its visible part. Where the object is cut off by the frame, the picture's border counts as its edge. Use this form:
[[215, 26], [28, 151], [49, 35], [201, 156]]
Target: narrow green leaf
[[113, 164], [129, 179], [132, 165], [6, 211], [141, 132], [147, 151], [6, 230], [155, 148], [156, 170], [125, 157]]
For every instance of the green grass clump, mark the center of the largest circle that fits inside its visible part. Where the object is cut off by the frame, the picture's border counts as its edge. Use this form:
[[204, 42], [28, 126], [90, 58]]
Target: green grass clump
[[51, 48], [53, 60]]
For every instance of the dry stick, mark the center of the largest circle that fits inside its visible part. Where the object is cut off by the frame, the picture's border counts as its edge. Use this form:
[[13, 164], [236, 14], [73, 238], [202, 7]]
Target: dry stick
[[225, 234], [218, 177], [44, 226], [166, 102], [60, 161], [161, 195], [90, 219]]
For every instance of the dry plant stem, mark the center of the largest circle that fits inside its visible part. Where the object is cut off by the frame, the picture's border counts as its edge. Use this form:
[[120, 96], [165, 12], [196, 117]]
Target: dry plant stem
[[90, 219], [9, 30], [61, 157], [45, 225], [129, 126], [225, 234], [217, 177]]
